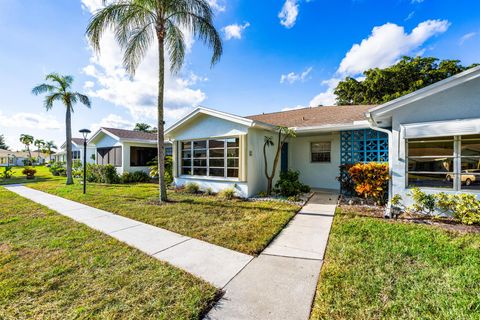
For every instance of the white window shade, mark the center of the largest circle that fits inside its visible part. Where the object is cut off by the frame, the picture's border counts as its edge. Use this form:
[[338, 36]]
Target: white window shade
[[440, 128]]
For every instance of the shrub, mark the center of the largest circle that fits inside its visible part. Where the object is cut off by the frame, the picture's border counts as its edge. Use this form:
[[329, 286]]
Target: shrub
[[58, 169], [227, 194], [370, 180], [168, 169], [7, 173], [347, 186], [192, 187], [102, 173], [208, 192], [464, 207], [29, 172], [136, 176], [289, 184], [422, 202]]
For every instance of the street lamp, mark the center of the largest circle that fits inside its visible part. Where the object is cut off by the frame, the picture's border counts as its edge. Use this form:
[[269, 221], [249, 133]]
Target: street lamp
[[85, 133]]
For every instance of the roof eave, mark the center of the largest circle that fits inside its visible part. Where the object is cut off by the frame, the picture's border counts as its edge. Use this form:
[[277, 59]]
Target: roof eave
[[363, 124]]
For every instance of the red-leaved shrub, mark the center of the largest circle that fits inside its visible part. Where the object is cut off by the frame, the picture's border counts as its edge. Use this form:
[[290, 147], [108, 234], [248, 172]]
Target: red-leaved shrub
[[370, 180]]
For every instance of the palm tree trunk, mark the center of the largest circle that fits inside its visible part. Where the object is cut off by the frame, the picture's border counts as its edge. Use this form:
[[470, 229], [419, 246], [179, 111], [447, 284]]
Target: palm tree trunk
[[68, 125], [160, 120]]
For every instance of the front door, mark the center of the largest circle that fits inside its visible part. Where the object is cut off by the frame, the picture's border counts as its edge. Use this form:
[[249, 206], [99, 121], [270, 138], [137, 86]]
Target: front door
[[284, 158]]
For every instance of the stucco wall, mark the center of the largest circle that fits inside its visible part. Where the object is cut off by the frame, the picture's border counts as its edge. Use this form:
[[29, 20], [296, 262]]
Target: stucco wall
[[461, 102], [315, 174], [207, 126]]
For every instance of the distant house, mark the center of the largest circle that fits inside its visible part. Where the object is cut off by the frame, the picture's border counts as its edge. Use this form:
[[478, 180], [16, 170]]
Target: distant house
[[18, 158], [431, 139], [77, 152], [127, 150]]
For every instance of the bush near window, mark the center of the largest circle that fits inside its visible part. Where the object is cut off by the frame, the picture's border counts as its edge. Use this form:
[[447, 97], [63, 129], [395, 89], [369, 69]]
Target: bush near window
[[192, 187], [58, 169], [102, 173], [422, 202], [464, 207], [370, 180], [289, 184], [133, 177], [168, 169], [227, 194], [347, 186]]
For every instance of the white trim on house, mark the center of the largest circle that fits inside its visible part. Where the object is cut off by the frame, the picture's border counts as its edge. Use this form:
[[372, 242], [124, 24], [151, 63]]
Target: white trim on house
[[101, 130], [432, 89], [440, 128], [333, 127]]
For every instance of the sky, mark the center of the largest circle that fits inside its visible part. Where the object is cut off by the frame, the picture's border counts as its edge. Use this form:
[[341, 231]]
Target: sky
[[278, 55]]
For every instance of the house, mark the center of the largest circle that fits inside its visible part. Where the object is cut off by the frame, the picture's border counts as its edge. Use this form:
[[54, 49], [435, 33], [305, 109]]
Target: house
[[77, 152], [127, 150], [18, 158], [431, 138]]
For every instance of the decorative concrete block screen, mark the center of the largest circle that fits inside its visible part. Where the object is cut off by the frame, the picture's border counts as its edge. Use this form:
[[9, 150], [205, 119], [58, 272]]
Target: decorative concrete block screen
[[364, 145]]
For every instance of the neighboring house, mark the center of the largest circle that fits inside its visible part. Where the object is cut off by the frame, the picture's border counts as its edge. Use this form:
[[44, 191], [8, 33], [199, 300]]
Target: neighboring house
[[432, 138], [17, 158], [77, 152], [127, 150]]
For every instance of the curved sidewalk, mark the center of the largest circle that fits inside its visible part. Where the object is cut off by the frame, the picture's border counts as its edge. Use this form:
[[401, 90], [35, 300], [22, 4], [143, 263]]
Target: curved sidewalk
[[212, 263]]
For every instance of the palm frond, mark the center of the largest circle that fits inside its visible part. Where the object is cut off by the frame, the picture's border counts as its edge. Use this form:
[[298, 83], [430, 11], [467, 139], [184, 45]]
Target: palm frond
[[43, 88], [137, 47], [175, 44], [50, 99], [55, 77], [84, 99]]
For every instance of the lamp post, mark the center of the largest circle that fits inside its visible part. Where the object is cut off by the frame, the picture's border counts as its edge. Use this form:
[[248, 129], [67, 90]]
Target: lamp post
[[85, 133]]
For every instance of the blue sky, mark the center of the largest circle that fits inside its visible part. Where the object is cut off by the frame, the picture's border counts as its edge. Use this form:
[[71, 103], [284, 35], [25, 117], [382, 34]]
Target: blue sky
[[278, 54]]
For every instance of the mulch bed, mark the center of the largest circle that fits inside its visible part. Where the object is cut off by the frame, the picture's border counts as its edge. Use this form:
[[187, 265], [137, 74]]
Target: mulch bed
[[363, 208]]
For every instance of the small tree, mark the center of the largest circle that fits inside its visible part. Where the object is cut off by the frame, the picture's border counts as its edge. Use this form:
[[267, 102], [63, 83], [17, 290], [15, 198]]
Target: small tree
[[283, 134], [27, 140], [49, 146], [3, 144], [40, 144]]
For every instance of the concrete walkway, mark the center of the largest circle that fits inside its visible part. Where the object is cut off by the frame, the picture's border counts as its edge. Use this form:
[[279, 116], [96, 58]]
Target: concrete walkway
[[281, 282], [212, 263]]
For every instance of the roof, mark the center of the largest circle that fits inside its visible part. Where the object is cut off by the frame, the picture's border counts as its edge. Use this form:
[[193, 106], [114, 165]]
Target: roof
[[78, 141], [315, 116], [455, 80], [131, 134], [20, 154]]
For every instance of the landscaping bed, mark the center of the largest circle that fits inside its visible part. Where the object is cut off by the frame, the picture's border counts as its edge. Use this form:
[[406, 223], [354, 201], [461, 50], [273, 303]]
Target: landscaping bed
[[235, 224], [379, 269], [52, 267]]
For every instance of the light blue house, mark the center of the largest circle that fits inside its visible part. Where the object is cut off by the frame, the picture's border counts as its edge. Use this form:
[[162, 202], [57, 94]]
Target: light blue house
[[431, 139]]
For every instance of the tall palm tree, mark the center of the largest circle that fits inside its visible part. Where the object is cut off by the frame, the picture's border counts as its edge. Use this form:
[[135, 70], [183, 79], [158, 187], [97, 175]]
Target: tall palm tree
[[39, 143], [137, 23], [59, 89], [49, 146], [27, 140]]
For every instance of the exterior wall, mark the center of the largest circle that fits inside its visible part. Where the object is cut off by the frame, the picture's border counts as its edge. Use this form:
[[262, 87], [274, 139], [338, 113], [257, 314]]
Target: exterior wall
[[205, 127], [106, 141], [461, 102], [315, 174]]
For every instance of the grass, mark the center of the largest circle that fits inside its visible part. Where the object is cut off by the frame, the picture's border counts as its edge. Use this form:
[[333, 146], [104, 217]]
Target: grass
[[378, 269], [235, 224], [54, 268], [42, 175]]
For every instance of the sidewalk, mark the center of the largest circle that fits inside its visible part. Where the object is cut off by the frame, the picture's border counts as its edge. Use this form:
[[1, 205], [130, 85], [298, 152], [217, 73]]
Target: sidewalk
[[212, 263], [281, 282]]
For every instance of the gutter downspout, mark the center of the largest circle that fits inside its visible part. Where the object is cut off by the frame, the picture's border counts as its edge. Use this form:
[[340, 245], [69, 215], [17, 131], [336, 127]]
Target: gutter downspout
[[374, 126]]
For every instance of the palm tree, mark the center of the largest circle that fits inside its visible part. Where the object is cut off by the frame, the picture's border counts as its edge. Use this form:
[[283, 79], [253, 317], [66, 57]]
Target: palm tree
[[49, 146], [39, 143], [59, 89], [27, 140], [143, 127], [137, 23]]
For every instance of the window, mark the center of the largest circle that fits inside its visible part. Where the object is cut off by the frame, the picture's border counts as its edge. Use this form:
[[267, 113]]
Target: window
[[168, 150], [76, 155], [446, 162], [320, 151], [112, 155], [141, 156], [212, 158]]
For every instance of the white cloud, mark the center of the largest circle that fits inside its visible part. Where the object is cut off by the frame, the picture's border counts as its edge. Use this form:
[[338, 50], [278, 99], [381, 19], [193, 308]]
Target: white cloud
[[467, 37], [288, 14], [29, 120], [387, 44], [139, 95], [113, 121], [293, 77], [234, 31], [92, 5], [293, 108], [410, 16], [383, 48], [217, 5]]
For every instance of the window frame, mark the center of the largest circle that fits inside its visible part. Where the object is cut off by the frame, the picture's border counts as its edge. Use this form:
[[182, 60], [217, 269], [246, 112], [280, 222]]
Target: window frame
[[138, 148], [114, 162], [224, 157], [329, 152], [457, 158]]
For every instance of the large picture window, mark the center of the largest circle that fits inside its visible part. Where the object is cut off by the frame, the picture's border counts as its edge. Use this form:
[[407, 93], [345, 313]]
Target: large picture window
[[446, 162], [211, 158], [142, 156], [111, 155]]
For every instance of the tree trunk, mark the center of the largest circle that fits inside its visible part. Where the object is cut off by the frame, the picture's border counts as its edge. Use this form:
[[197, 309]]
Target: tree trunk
[[160, 120], [68, 126]]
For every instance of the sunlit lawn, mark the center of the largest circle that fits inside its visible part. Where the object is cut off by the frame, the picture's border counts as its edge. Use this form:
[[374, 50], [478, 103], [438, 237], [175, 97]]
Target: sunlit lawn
[[52, 267], [43, 174], [236, 224], [376, 269]]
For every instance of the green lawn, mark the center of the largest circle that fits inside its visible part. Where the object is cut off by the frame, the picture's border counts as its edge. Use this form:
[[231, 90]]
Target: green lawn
[[236, 224], [42, 175], [377, 269], [54, 268]]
